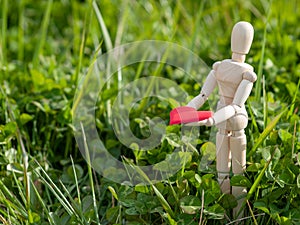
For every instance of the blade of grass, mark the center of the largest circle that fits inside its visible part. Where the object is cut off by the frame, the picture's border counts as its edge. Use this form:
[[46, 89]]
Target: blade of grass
[[121, 24], [90, 174], [202, 207], [46, 211], [258, 179], [160, 66], [75, 27], [10, 211], [106, 36], [87, 20], [109, 46], [54, 189], [140, 67], [194, 37], [3, 33], [173, 191], [3, 220], [161, 198], [80, 94], [266, 132], [9, 197], [21, 31], [261, 61], [76, 183], [265, 101], [291, 111], [118, 40], [20, 188], [164, 202], [239, 221], [253, 119], [26, 175], [251, 212], [293, 140], [43, 33], [77, 208], [21, 147]]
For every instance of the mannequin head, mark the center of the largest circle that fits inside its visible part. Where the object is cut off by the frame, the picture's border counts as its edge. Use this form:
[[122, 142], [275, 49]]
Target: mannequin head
[[241, 40]]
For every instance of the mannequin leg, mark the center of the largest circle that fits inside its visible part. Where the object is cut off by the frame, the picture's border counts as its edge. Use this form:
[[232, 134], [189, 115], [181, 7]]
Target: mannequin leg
[[223, 159], [238, 150]]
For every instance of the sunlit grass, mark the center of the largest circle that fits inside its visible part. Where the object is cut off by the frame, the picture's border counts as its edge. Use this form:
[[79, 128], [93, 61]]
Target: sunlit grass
[[47, 47]]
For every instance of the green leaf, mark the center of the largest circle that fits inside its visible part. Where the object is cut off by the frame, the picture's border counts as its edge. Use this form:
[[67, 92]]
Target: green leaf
[[190, 204], [255, 167], [190, 200], [174, 161], [189, 174], [173, 139], [142, 188], [132, 211], [112, 213], [266, 154], [262, 206], [287, 176], [173, 103], [228, 201], [161, 198], [208, 151], [10, 128], [276, 157], [87, 203], [161, 187], [285, 221], [78, 169], [187, 219], [215, 212], [25, 118], [38, 78], [274, 195], [198, 178], [240, 180], [128, 202], [298, 181], [211, 189], [285, 136], [113, 192], [15, 167], [124, 191]]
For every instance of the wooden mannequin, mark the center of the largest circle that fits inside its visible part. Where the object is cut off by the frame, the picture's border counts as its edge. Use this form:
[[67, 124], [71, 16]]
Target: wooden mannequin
[[234, 79]]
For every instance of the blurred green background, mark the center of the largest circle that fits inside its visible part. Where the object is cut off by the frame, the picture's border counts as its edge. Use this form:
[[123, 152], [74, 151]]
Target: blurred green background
[[47, 46]]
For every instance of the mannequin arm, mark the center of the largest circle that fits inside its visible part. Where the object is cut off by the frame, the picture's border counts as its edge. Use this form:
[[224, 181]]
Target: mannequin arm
[[208, 87], [244, 89], [240, 97]]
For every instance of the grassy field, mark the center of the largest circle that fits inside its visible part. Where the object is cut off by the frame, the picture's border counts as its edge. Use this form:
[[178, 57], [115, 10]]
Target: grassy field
[[47, 48]]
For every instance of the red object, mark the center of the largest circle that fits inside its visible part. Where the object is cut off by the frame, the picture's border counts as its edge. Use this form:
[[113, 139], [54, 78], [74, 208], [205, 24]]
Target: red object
[[185, 114]]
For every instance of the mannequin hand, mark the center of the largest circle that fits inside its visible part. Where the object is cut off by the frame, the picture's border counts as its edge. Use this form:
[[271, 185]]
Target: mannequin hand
[[207, 122]]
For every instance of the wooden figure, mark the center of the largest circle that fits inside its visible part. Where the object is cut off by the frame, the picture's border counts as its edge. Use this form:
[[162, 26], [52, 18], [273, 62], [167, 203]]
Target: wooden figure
[[234, 79]]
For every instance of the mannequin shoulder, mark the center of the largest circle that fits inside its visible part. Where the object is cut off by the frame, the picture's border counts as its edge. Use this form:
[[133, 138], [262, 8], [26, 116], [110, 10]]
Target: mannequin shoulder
[[250, 75], [216, 65]]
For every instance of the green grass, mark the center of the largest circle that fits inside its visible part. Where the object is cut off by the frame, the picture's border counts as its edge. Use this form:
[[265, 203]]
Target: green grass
[[47, 47]]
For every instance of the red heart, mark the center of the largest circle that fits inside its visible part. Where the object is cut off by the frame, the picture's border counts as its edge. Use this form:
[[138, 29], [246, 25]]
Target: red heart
[[185, 114]]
